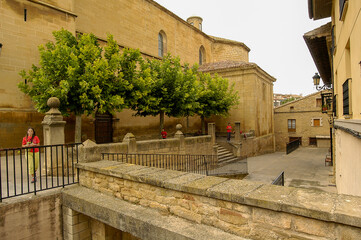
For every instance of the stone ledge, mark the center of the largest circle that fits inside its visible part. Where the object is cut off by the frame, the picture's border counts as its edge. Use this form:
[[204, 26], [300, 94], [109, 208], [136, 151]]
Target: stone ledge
[[319, 205], [141, 222]]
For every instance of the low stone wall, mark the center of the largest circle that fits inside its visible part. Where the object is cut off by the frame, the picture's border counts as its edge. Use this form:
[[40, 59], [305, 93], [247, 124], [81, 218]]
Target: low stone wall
[[254, 146], [243, 208], [91, 151], [39, 217]]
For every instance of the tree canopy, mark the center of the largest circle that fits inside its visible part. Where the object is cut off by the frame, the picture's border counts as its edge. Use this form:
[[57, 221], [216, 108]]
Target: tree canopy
[[73, 70], [89, 79]]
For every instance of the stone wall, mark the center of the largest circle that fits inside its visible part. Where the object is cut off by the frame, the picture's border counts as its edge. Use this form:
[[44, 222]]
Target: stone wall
[[247, 209], [39, 217], [254, 146], [91, 151]]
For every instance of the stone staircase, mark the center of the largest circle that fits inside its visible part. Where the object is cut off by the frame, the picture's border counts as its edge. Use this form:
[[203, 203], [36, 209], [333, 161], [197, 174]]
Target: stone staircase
[[225, 156]]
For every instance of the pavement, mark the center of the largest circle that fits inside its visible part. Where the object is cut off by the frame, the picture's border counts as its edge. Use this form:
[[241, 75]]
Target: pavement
[[305, 168]]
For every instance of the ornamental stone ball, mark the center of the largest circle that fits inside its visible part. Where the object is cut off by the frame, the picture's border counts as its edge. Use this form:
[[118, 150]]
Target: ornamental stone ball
[[178, 126], [53, 102]]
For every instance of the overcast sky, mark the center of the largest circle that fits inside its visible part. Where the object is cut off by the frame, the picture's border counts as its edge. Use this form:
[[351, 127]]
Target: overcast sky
[[272, 29]]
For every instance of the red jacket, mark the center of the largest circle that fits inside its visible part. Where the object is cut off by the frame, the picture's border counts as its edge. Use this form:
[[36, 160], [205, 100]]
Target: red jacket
[[229, 128], [164, 134]]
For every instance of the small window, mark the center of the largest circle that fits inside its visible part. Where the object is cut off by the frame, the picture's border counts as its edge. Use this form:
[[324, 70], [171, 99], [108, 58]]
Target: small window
[[292, 108], [318, 102], [316, 122], [291, 125]]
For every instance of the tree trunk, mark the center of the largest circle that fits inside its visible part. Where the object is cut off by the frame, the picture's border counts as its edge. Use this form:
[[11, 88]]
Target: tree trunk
[[187, 124], [161, 122], [203, 125], [78, 128]]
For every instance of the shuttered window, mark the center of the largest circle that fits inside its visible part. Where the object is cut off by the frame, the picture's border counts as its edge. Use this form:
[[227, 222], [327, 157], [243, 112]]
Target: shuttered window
[[346, 100]]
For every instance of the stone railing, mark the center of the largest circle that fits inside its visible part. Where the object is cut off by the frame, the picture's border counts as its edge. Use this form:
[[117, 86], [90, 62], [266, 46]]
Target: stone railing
[[243, 208], [200, 145]]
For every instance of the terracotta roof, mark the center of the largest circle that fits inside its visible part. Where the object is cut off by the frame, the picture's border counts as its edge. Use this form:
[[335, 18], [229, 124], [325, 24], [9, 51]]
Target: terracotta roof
[[224, 65]]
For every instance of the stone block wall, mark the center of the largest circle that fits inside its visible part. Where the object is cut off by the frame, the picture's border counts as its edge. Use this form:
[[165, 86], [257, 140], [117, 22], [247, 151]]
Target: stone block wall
[[91, 151], [254, 146], [39, 217], [247, 209]]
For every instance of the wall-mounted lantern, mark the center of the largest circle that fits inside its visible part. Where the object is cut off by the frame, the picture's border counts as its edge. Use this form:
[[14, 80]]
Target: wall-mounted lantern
[[316, 81]]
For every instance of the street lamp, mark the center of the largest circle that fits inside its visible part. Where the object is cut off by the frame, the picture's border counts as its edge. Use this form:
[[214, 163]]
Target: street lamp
[[316, 82]]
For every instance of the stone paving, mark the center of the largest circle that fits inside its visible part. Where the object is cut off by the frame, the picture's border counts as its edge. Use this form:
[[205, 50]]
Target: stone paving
[[305, 167]]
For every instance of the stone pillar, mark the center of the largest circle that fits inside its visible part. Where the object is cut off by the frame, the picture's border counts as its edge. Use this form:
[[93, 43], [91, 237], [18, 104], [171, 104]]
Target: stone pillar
[[237, 129], [180, 136], [212, 132], [132, 143], [75, 225], [53, 128], [53, 124]]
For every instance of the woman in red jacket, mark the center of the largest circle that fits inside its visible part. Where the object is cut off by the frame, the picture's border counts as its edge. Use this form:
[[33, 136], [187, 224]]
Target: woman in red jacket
[[32, 155]]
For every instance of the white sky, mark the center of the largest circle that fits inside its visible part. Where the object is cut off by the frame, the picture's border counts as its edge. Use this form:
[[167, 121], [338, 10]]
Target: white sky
[[272, 29]]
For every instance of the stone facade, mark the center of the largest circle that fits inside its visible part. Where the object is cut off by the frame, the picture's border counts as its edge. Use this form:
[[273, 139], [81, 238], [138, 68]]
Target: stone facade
[[310, 123], [134, 24]]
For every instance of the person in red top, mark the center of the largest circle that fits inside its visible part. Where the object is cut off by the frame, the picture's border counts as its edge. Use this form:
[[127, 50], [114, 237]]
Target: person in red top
[[229, 132], [164, 134], [31, 154]]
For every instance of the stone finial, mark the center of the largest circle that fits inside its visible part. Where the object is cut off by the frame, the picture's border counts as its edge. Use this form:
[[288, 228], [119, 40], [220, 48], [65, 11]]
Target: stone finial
[[128, 137], [179, 132], [54, 104]]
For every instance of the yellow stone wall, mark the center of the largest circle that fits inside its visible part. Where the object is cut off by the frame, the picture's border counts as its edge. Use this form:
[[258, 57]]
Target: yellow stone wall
[[134, 24], [347, 56], [255, 108], [304, 110], [20, 41]]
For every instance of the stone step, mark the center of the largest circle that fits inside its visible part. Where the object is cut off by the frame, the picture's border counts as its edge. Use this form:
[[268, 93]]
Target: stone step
[[225, 156]]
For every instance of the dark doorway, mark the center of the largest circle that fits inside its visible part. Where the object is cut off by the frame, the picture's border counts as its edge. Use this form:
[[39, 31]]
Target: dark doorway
[[103, 128], [313, 141]]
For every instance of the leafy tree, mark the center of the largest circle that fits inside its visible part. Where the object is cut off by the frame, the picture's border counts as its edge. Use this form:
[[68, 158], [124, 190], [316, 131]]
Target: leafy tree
[[290, 99], [215, 97], [171, 89], [73, 70]]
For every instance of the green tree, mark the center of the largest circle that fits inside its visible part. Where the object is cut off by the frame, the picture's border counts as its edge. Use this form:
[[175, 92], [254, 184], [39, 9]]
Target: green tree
[[171, 89], [215, 97], [73, 70]]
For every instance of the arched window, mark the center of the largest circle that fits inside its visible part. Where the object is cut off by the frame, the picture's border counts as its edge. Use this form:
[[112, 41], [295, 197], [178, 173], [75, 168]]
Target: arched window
[[162, 44], [202, 55]]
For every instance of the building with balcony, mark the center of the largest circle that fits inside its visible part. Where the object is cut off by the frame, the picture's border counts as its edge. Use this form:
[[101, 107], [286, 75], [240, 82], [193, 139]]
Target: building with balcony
[[335, 48]]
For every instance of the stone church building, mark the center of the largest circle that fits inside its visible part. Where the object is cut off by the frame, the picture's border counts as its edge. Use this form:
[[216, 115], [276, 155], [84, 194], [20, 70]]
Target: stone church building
[[141, 24]]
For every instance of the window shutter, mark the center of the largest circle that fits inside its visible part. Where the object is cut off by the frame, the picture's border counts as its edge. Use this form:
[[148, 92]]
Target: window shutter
[[346, 108]]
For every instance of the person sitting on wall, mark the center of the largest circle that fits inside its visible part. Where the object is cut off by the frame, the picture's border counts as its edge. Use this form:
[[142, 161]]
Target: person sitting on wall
[[229, 132], [164, 134]]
